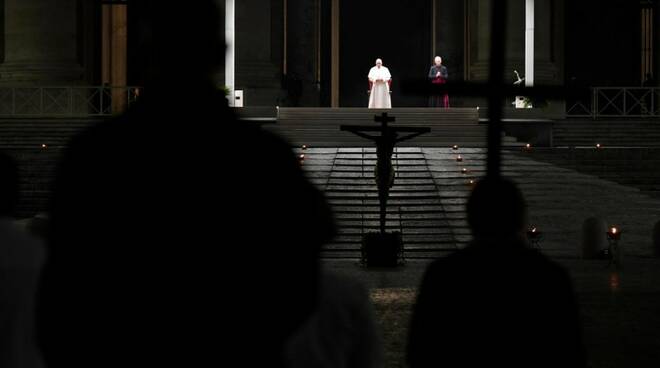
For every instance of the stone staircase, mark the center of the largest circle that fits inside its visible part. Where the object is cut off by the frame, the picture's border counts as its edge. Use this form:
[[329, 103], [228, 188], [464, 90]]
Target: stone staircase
[[616, 133], [346, 175], [37, 145], [28, 134]]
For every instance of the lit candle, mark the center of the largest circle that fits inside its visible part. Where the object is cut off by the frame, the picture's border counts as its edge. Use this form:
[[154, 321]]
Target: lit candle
[[464, 171], [459, 158], [598, 145], [302, 156], [455, 147], [615, 282], [304, 147], [44, 146], [528, 146]]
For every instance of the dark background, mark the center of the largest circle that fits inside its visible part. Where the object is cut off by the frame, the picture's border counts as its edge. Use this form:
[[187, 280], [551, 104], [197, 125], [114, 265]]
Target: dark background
[[397, 32]]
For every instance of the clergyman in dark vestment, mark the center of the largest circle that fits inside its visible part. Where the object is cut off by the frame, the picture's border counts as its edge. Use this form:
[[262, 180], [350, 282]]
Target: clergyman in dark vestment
[[438, 76]]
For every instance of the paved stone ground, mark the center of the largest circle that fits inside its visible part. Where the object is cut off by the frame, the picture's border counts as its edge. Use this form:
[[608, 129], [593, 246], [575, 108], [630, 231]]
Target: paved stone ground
[[620, 311], [429, 195], [559, 199]]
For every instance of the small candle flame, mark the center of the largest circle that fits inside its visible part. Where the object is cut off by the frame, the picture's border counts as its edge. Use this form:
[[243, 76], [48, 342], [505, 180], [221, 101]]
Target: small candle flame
[[615, 282]]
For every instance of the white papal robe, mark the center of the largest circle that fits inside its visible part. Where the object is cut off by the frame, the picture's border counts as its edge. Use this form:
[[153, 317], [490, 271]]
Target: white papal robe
[[379, 98]]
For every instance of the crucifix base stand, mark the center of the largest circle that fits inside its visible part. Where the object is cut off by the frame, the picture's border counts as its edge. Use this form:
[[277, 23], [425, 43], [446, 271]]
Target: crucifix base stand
[[382, 250]]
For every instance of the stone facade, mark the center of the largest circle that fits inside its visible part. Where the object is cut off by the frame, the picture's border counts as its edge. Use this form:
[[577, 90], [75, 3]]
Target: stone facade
[[283, 55]]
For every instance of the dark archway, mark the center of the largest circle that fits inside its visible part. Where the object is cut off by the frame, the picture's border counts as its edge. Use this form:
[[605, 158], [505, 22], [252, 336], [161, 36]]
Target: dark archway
[[397, 31]]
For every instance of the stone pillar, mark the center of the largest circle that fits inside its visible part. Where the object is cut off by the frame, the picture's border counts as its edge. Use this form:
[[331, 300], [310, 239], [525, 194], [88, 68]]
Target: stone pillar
[[41, 43], [258, 41], [335, 58], [450, 37], [302, 51], [529, 43], [114, 53], [230, 40], [548, 45]]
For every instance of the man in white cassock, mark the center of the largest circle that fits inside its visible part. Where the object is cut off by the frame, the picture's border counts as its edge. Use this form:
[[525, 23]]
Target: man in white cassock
[[379, 78]]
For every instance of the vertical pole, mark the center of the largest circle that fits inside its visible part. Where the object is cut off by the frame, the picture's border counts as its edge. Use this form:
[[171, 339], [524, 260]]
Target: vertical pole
[[496, 75]]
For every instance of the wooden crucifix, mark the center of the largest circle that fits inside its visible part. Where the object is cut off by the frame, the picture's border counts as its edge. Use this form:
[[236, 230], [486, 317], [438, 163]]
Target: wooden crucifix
[[388, 138]]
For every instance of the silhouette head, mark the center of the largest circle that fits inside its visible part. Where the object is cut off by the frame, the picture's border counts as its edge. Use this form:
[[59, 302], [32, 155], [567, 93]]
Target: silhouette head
[[379, 63], [496, 209], [8, 185], [438, 61]]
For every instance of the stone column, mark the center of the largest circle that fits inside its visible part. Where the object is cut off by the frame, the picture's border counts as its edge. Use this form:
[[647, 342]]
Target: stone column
[[115, 46], [258, 38], [41, 43], [529, 43], [450, 37], [230, 57]]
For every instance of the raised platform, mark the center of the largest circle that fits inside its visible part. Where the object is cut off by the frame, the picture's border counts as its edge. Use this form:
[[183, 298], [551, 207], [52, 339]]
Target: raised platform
[[319, 127]]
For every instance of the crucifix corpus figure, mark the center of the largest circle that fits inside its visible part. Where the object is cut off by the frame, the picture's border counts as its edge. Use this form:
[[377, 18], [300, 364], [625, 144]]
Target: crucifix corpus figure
[[385, 142]]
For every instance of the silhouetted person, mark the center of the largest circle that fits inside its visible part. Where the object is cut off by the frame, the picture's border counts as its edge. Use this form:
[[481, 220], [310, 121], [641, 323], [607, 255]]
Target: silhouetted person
[[180, 237], [21, 260], [496, 303]]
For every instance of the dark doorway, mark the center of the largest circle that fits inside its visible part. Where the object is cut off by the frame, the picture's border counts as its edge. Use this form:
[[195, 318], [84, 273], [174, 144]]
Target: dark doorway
[[399, 32]]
